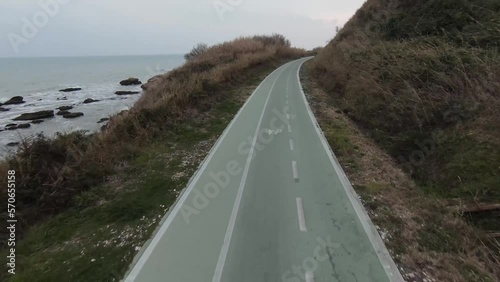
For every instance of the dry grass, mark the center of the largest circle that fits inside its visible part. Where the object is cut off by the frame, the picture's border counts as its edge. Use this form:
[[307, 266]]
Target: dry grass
[[422, 81], [50, 173], [435, 74], [192, 88], [427, 239]]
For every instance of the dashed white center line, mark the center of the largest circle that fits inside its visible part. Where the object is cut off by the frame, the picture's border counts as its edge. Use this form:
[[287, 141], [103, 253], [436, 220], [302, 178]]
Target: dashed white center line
[[302, 218], [237, 202], [295, 171], [309, 276], [289, 128], [288, 116], [292, 147]]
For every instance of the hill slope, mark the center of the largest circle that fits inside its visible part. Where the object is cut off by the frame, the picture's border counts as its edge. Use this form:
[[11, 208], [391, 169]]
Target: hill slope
[[424, 80], [82, 198]]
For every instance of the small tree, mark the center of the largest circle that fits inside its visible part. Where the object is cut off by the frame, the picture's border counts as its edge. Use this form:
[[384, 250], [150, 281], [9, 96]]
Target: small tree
[[280, 39], [197, 50], [275, 39]]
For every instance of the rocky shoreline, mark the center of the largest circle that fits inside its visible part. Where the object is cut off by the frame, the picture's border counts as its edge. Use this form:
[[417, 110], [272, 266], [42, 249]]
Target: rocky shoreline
[[28, 119]]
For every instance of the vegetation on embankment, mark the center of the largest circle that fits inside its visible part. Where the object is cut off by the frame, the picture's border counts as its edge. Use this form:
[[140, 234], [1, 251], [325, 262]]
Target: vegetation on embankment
[[51, 175], [97, 237], [423, 79], [428, 240]]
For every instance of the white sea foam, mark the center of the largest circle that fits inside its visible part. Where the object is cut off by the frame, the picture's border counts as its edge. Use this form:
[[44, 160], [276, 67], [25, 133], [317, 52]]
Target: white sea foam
[[99, 80]]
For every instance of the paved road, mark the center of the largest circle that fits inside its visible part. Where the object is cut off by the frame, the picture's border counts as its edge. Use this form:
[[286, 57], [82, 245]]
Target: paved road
[[270, 203]]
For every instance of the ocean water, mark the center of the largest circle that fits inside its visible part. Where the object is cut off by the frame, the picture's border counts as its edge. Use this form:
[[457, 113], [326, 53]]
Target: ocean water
[[39, 80]]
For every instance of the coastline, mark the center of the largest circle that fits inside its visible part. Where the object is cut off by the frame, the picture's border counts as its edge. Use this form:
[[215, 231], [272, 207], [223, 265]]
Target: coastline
[[98, 78], [104, 193]]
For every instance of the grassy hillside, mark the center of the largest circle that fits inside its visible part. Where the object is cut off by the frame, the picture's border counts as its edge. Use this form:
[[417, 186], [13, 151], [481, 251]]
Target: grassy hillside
[[51, 175], [98, 235], [423, 79]]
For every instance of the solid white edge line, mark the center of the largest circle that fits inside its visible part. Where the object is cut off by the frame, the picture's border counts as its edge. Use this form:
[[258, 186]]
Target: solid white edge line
[[292, 147], [301, 216], [137, 267], [383, 254], [309, 276], [295, 171], [232, 221]]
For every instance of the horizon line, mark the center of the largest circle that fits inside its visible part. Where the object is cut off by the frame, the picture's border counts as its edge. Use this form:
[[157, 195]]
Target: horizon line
[[80, 56]]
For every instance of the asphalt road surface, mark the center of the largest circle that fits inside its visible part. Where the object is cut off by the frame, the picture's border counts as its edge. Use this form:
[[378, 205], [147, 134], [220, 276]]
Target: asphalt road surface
[[269, 203]]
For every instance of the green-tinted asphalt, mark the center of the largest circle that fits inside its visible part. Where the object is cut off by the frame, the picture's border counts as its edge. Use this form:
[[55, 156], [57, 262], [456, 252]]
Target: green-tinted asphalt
[[270, 203]]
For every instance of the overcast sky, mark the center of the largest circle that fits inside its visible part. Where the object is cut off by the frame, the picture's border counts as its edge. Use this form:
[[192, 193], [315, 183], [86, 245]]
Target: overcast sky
[[125, 27]]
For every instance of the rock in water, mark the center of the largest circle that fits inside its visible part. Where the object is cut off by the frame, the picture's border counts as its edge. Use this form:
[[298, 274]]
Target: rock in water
[[11, 126], [72, 115], [12, 144], [23, 126], [62, 113], [37, 121], [15, 101], [36, 115], [130, 81], [71, 89], [90, 100], [2, 109], [103, 120], [126, 92], [65, 108]]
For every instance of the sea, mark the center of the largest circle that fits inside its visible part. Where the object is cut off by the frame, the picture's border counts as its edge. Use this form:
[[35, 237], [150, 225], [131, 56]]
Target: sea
[[39, 80]]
